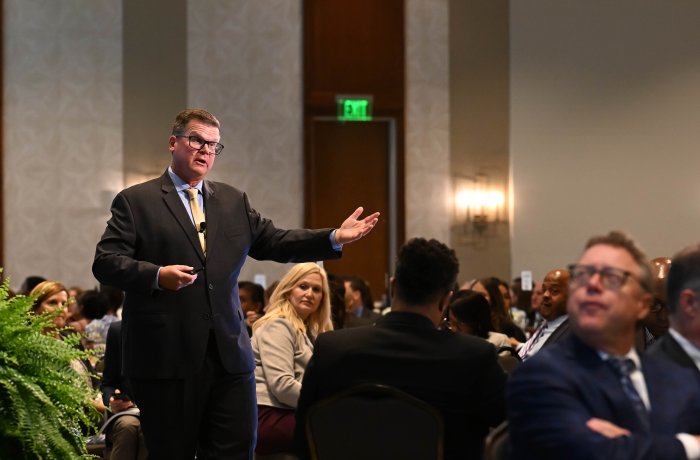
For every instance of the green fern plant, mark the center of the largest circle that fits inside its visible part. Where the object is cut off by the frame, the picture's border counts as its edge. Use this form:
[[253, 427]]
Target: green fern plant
[[45, 405]]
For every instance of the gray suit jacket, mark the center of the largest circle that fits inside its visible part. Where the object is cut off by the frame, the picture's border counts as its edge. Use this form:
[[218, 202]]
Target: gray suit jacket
[[281, 355], [165, 333]]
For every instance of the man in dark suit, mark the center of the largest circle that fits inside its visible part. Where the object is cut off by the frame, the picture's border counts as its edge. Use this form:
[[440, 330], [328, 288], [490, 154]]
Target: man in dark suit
[[125, 439], [555, 327], [176, 245], [655, 324], [682, 342], [459, 375], [592, 396], [358, 303]]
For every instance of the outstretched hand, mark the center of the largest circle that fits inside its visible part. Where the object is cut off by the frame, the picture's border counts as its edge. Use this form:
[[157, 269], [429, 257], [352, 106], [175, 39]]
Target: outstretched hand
[[353, 228]]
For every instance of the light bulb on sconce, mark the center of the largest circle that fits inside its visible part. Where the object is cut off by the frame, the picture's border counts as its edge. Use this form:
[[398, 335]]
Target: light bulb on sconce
[[479, 207]]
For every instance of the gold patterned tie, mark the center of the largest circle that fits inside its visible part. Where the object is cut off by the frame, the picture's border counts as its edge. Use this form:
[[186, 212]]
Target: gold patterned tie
[[198, 216]]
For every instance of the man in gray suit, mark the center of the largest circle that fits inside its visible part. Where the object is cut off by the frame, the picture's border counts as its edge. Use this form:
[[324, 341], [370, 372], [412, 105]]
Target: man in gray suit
[[176, 245], [682, 342]]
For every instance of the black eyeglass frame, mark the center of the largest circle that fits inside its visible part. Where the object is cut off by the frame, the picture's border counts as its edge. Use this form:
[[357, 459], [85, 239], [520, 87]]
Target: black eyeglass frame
[[610, 277], [218, 147]]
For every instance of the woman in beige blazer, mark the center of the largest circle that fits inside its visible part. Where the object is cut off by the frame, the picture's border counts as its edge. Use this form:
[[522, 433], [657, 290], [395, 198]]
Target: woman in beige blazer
[[282, 346]]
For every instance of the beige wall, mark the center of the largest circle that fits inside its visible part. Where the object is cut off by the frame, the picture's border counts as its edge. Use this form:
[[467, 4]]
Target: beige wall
[[605, 110], [478, 90], [62, 143], [243, 61], [427, 120]]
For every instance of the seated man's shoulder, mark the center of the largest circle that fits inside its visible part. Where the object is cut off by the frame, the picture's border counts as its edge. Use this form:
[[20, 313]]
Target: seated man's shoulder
[[552, 360], [664, 368]]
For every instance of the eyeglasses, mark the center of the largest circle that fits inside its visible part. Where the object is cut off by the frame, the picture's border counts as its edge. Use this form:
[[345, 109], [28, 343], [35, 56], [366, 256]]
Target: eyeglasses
[[610, 277], [198, 144]]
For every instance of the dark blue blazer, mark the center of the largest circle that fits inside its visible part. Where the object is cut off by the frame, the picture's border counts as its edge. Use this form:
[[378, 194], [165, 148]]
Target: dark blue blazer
[[552, 395], [165, 333], [666, 347]]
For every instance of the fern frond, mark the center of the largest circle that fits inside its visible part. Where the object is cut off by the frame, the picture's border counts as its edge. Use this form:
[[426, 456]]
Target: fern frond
[[44, 402]]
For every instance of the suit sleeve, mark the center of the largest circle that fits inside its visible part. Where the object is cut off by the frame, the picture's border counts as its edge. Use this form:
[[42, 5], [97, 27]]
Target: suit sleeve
[[547, 413], [301, 245], [115, 262]]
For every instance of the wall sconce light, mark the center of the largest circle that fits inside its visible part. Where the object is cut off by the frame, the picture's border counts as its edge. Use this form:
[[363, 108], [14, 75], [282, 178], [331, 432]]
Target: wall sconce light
[[479, 207]]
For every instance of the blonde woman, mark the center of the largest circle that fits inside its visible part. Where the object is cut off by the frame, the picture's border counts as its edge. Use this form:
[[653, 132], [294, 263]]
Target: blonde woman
[[283, 340]]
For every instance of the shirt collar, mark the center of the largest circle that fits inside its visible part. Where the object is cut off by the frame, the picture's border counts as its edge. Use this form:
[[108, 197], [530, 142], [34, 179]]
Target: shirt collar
[[632, 354], [556, 322], [181, 185]]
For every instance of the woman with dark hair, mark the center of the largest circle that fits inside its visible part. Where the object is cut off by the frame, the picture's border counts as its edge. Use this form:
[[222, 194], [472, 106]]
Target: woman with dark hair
[[500, 317], [252, 297], [470, 314]]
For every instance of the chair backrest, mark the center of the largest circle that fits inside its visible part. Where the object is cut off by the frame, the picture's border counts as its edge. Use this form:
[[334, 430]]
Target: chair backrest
[[372, 421], [497, 445], [508, 358]]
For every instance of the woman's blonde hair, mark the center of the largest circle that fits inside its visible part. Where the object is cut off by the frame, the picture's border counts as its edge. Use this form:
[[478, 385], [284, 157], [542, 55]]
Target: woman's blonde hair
[[280, 307], [45, 289]]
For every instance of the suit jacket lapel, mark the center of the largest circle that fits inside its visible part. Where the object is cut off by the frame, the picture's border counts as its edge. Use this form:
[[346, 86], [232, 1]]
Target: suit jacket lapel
[[213, 211], [174, 204], [674, 349], [558, 332]]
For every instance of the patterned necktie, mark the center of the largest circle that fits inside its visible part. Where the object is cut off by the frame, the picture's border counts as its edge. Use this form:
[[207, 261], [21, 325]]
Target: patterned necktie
[[533, 340], [623, 367], [198, 216]]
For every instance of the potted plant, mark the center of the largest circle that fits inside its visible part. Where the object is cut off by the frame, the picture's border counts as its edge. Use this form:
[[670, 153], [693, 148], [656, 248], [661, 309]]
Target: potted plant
[[45, 404]]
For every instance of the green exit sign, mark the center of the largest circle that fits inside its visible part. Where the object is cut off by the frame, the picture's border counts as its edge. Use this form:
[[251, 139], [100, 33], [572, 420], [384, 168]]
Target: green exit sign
[[354, 108]]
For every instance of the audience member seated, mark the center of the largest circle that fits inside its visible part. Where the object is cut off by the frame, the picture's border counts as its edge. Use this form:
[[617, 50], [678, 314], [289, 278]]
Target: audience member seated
[[592, 396], [457, 374], [92, 305], [282, 342], [52, 296], [51, 299], [555, 327], [682, 342], [520, 306], [122, 429], [96, 330], [74, 317], [268, 293], [655, 324], [338, 312], [252, 297], [358, 303], [470, 313], [500, 316], [29, 284], [534, 318]]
